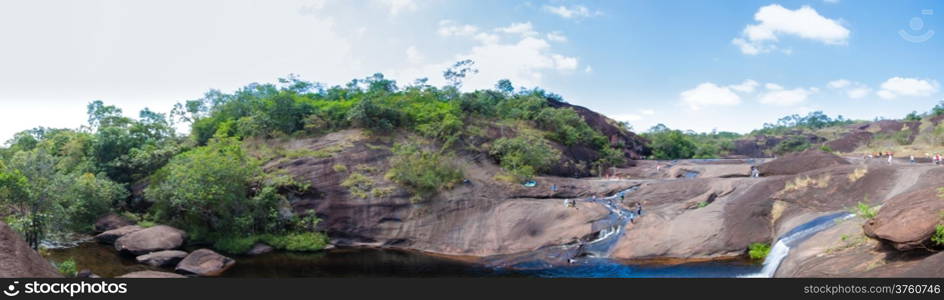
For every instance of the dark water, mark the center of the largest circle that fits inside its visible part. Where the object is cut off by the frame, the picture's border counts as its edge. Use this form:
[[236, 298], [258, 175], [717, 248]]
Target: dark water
[[105, 261]]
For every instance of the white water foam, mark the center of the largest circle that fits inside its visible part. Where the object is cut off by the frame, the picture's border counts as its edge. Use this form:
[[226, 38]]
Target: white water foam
[[782, 248]]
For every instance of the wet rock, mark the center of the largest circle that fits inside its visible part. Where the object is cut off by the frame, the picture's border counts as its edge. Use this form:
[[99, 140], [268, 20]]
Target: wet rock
[[157, 238], [18, 260], [110, 222], [259, 249], [907, 221], [110, 236], [795, 163], [168, 258], [206, 263], [151, 274]]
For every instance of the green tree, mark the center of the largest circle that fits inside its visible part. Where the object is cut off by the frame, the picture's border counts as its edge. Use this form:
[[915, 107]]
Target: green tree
[[206, 191], [524, 156]]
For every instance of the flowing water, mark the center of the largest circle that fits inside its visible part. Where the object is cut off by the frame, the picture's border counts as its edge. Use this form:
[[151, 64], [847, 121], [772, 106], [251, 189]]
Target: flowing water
[[588, 259], [794, 237]]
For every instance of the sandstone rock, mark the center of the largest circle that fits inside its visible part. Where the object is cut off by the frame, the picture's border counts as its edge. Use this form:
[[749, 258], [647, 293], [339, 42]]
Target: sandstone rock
[[157, 238], [110, 222], [18, 260], [205, 262], [259, 249], [167, 258], [795, 163], [151, 274], [110, 236], [907, 221]]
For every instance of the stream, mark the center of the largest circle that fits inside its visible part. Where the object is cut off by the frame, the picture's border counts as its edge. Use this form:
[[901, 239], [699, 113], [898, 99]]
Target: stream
[[587, 259]]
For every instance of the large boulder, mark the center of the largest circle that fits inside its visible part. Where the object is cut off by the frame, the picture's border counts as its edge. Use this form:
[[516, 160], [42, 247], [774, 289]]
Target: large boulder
[[151, 274], [110, 222], [206, 263], [157, 238], [18, 260], [907, 221], [110, 236], [167, 258], [795, 163]]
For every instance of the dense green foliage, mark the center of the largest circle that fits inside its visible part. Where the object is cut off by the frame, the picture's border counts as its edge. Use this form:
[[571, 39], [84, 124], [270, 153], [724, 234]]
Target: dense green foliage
[[812, 121], [758, 251], [666, 143], [423, 172], [67, 268], [791, 144], [57, 181], [525, 155]]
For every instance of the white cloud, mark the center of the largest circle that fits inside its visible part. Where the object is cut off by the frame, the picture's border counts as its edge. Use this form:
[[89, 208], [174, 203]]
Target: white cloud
[[775, 21], [648, 112], [773, 86], [395, 7], [413, 55], [852, 89], [747, 86], [556, 36], [783, 97], [709, 94], [486, 38], [564, 63], [838, 84], [831, 1], [859, 92], [571, 12], [450, 28], [909, 87], [524, 29]]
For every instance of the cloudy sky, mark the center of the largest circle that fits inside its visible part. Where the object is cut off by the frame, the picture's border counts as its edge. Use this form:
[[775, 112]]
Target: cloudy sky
[[701, 65]]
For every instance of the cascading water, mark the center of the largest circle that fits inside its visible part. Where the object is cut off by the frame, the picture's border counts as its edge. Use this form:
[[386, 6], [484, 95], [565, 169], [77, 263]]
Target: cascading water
[[794, 237]]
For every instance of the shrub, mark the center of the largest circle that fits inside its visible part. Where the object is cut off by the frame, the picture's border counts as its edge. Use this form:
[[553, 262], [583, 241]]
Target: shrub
[[524, 156], [304, 241], [358, 184], [865, 211], [423, 172], [791, 144], [67, 268], [758, 251], [339, 168], [938, 237], [206, 191]]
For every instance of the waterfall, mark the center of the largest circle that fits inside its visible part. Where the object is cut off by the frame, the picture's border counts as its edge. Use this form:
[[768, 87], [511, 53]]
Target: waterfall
[[792, 238]]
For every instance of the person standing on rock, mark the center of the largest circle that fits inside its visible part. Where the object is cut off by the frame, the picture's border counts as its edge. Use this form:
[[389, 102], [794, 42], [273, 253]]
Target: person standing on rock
[[889, 158], [912, 159]]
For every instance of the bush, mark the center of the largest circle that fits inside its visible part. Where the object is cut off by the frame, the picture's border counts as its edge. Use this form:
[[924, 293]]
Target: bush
[[865, 211], [423, 172], [206, 191], [358, 185], [304, 241], [938, 237], [67, 268], [671, 144], [525, 155], [791, 144], [758, 251]]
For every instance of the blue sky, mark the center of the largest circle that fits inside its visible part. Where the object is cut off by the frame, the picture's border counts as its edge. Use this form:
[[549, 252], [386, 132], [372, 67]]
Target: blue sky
[[701, 65]]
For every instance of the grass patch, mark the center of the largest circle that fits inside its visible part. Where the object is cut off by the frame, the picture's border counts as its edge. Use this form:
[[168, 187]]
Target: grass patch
[[758, 251], [299, 241], [425, 173], [858, 174], [865, 211], [358, 185], [339, 168], [804, 182], [847, 242]]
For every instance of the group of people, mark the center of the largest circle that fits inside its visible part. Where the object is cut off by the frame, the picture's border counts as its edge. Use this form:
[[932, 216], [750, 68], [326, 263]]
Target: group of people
[[937, 158], [888, 155]]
